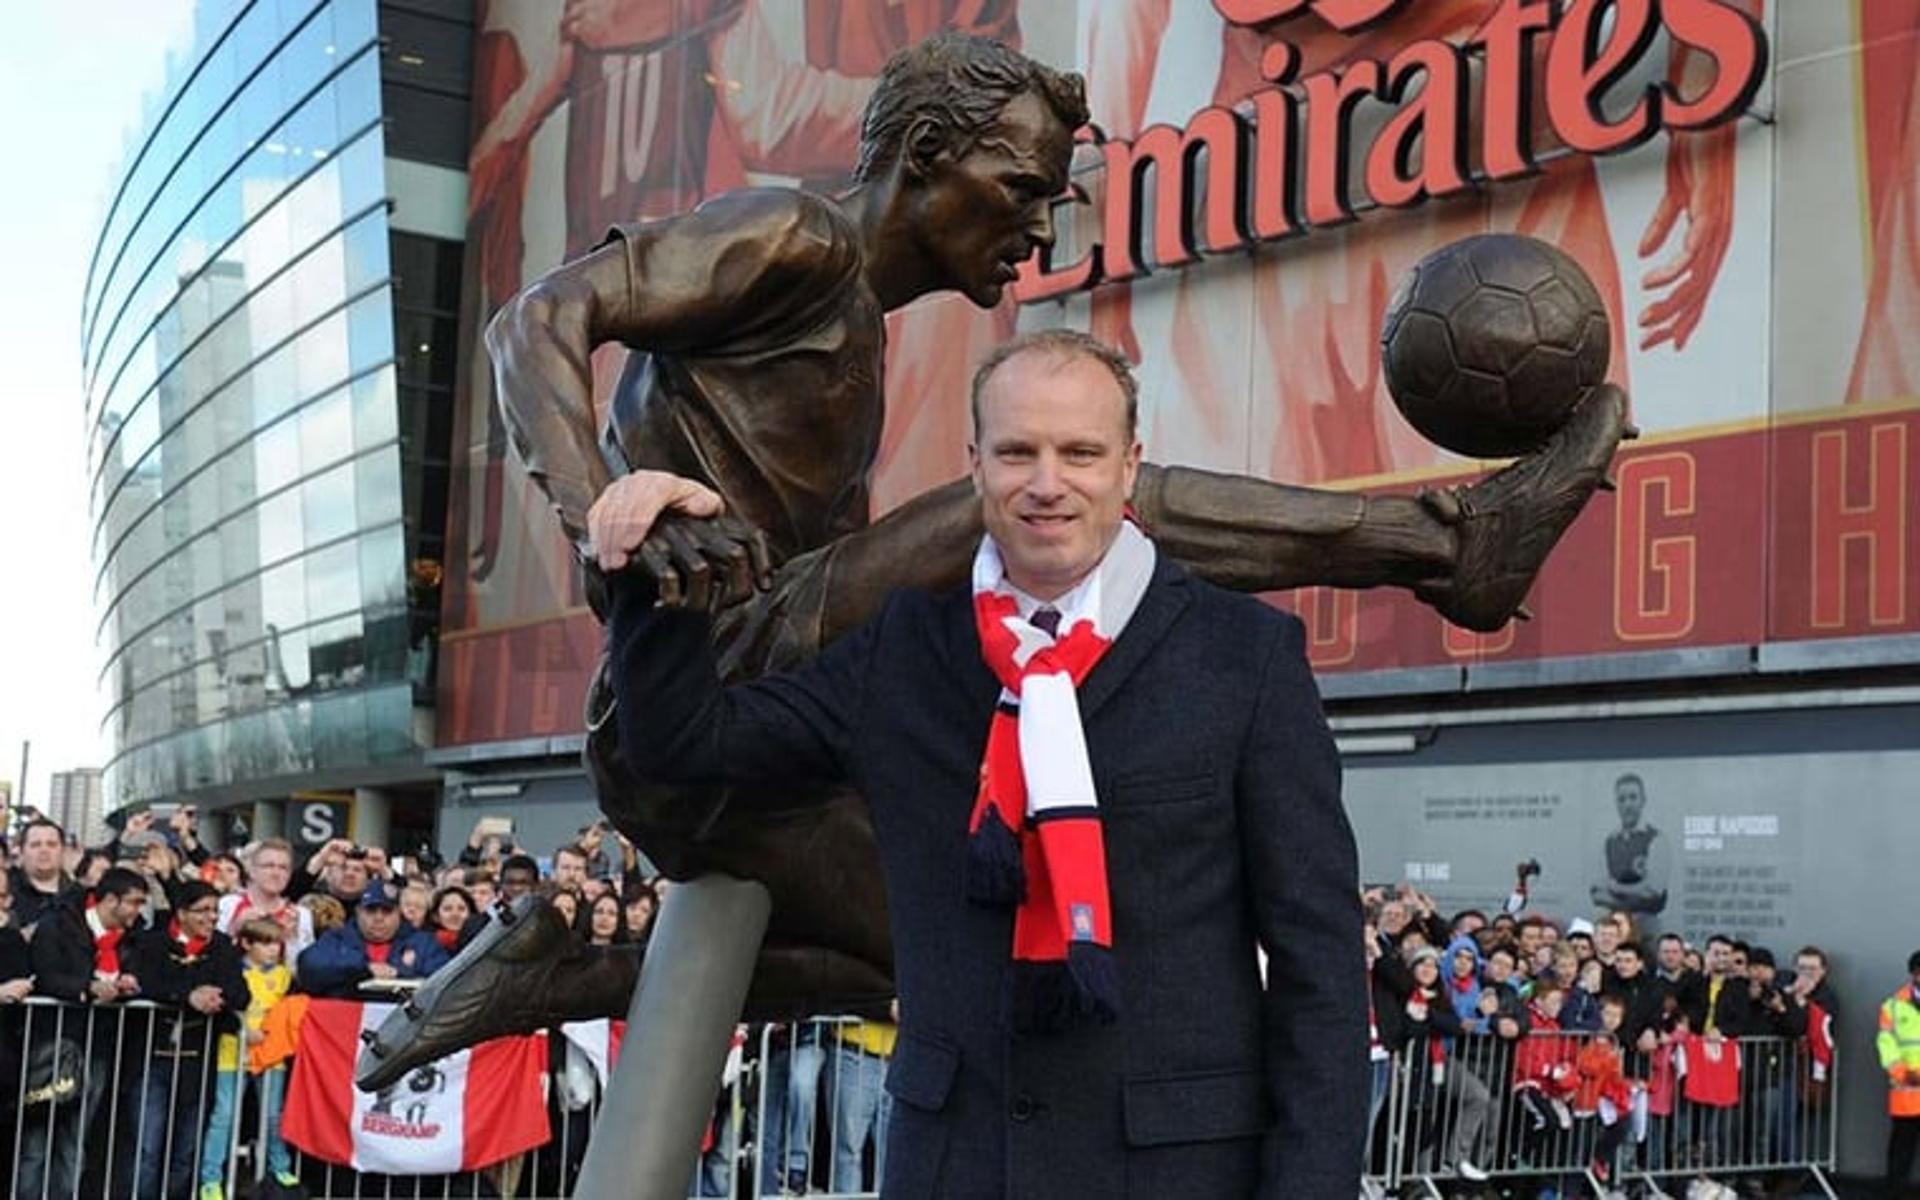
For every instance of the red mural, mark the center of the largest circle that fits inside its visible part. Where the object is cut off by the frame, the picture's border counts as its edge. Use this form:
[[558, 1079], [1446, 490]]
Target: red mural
[[1259, 175]]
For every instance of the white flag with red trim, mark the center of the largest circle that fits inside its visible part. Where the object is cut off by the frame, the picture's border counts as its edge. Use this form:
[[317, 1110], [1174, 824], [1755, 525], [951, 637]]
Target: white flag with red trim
[[467, 1111], [599, 1040]]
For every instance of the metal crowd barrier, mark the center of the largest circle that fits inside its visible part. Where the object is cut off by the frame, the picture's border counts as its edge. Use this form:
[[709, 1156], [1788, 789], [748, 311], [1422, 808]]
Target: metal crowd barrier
[[821, 1111], [116, 1101], [1465, 1103], [107, 1100]]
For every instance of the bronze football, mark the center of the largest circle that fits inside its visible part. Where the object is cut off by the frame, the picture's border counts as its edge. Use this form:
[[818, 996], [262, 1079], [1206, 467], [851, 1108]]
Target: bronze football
[[1491, 342]]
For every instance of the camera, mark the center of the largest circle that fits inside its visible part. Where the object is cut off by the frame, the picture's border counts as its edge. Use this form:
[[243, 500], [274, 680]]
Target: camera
[[1528, 869]]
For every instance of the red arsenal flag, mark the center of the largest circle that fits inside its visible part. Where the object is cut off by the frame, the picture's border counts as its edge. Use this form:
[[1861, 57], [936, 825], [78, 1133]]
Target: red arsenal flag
[[467, 1111]]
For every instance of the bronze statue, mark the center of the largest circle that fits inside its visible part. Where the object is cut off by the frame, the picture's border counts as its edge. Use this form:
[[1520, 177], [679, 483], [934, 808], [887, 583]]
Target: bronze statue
[[755, 324]]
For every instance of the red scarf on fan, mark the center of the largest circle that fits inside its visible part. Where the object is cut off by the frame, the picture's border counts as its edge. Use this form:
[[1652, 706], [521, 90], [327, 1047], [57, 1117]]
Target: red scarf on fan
[[106, 944], [194, 946], [1035, 838]]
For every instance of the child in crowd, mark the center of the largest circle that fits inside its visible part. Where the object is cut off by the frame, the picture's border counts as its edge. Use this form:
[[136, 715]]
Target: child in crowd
[[1604, 1091], [263, 943], [1544, 1075]]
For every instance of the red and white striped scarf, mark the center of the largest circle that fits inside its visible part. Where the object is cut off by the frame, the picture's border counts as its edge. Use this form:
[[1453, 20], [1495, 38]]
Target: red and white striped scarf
[[106, 944], [1034, 840]]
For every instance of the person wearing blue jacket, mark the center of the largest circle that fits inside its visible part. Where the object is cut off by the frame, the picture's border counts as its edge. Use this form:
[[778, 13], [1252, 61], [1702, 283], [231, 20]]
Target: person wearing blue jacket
[[1463, 965], [375, 945]]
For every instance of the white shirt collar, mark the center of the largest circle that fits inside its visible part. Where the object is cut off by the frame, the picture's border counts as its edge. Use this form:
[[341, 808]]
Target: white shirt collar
[[1070, 601]]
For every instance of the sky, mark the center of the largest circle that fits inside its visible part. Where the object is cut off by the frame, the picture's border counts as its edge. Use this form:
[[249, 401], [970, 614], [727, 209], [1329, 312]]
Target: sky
[[71, 81]]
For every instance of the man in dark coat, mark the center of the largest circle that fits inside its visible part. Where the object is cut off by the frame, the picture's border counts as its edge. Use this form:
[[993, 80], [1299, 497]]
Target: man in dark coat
[[1218, 799], [1641, 989], [1720, 1003], [376, 944], [39, 881], [82, 954], [194, 971]]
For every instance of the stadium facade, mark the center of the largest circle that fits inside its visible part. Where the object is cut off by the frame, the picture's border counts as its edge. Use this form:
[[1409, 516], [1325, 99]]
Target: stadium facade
[[1736, 631], [269, 340], [324, 582]]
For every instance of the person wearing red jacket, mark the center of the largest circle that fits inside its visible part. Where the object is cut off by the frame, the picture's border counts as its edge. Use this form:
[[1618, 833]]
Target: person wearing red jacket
[[1602, 1088], [1544, 1073]]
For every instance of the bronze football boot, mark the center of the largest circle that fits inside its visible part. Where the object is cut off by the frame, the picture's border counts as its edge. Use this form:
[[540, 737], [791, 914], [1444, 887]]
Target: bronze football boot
[[1508, 522]]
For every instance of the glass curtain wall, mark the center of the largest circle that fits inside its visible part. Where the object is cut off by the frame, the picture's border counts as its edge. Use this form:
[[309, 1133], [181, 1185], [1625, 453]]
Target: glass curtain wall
[[242, 415]]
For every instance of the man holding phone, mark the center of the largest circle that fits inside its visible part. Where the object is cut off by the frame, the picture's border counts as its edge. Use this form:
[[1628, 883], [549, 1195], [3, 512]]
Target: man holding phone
[[339, 869], [490, 841]]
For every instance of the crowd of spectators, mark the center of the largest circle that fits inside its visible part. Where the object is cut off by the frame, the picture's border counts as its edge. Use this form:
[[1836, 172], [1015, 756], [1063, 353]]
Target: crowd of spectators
[[211, 942], [1512, 1022], [217, 939]]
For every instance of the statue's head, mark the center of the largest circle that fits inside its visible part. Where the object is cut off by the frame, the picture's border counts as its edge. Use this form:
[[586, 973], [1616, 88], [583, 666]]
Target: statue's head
[[979, 137]]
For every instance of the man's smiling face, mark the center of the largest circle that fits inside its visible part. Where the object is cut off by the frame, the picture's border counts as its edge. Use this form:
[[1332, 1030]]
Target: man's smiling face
[[1054, 462]]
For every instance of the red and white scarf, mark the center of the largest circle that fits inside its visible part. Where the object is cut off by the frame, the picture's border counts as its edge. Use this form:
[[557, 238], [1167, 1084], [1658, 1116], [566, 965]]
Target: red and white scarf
[[1034, 840], [106, 944], [191, 947]]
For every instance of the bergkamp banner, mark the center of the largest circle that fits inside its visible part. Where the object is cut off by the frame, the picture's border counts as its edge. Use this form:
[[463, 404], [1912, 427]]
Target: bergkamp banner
[[1257, 177]]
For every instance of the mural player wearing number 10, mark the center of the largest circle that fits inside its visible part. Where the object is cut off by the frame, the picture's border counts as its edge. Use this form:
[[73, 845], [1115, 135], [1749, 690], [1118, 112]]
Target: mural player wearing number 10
[[1148, 1054]]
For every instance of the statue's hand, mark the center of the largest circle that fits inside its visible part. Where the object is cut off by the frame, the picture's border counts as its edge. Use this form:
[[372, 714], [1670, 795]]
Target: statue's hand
[[705, 562], [674, 531]]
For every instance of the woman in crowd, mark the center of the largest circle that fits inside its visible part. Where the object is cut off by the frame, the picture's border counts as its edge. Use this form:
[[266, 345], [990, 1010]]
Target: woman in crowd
[[604, 923], [92, 865], [225, 873], [1430, 1024], [1581, 1011], [640, 907], [449, 913]]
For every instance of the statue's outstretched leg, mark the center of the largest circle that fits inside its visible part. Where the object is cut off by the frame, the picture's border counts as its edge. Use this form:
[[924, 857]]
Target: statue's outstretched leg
[[1471, 552]]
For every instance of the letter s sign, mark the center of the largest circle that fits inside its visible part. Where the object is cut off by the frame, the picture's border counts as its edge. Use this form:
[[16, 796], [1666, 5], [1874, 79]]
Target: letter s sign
[[317, 826], [316, 818]]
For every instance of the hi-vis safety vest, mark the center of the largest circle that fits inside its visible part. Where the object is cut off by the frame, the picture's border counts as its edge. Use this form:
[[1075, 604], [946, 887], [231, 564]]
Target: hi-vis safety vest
[[1899, 1043]]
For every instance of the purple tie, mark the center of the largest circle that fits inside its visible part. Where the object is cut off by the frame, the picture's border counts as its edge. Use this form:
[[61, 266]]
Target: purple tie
[[1046, 620]]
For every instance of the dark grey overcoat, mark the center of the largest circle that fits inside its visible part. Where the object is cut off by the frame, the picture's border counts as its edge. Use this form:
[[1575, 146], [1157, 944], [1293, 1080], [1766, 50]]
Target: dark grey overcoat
[[1219, 793]]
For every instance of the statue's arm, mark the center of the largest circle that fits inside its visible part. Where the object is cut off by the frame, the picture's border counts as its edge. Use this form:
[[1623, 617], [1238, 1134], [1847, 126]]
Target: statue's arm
[[541, 343]]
